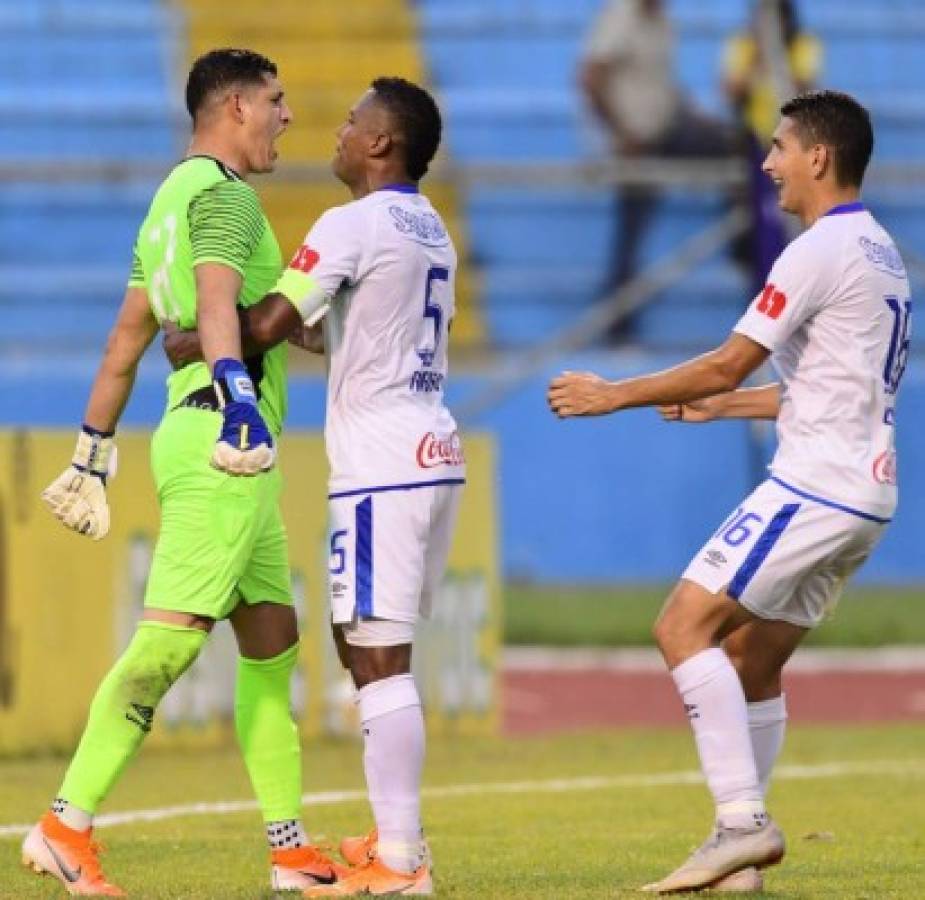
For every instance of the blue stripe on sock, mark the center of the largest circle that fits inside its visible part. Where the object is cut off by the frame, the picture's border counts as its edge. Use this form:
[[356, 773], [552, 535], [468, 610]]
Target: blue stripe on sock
[[763, 546]]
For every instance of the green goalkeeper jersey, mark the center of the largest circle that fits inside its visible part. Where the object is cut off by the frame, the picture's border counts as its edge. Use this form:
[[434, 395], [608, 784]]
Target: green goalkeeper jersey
[[204, 212]]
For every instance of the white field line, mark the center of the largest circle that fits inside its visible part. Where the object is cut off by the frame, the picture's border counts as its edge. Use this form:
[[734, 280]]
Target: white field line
[[647, 659], [892, 768]]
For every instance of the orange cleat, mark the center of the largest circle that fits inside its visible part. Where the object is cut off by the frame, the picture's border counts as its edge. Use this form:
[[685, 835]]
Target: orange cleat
[[51, 848], [359, 850], [375, 878], [297, 868]]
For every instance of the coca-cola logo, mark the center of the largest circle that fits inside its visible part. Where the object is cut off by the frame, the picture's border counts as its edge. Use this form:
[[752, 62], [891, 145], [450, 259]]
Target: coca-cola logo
[[436, 451], [885, 468]]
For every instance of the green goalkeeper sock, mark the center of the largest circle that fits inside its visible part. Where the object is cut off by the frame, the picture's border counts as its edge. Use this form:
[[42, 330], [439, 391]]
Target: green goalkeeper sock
[[267, 734], [122, 711]]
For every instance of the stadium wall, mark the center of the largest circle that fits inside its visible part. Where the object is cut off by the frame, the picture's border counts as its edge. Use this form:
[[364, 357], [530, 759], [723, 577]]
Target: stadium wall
[[623, 498]]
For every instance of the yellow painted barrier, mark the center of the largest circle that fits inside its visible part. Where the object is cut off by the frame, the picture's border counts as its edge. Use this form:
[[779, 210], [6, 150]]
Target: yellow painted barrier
[[68, 605]]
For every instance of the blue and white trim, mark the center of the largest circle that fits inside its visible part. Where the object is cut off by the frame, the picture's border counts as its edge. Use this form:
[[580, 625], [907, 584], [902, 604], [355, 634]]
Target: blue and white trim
[[806, 495], [382, 488], [761, 550], [845, 208]]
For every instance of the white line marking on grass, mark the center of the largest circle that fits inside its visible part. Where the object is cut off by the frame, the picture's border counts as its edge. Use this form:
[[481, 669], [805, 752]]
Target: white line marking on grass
[[897, 768]]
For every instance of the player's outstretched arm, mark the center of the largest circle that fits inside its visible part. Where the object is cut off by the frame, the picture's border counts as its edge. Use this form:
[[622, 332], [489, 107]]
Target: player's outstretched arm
[[745, 403], [720, 370], [77, 497]]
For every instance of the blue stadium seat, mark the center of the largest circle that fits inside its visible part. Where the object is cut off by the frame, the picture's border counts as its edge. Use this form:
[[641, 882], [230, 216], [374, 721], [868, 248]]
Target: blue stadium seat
[[87, 81], [506, 73], [79, 224]]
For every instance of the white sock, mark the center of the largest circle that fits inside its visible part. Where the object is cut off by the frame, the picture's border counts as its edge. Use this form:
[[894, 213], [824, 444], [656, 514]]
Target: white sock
[[715, 704], [393, 734], [285, 834], [72, 816], [767, 721]]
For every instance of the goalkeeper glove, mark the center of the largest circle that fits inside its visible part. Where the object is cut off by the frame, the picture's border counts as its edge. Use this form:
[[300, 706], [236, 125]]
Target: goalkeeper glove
[[245, 446], [77, 497]]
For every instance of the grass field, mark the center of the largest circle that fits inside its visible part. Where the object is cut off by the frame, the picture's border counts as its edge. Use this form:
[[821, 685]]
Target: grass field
[[623, 616], [585, 839]]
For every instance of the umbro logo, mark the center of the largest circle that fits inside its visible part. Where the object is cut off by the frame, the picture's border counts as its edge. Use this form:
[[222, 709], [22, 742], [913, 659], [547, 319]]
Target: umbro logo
[[691, 710], [714, 558]]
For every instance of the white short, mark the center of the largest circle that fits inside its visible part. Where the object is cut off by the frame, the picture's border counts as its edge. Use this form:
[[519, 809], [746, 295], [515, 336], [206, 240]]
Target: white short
[[388, 551], [786, 554]]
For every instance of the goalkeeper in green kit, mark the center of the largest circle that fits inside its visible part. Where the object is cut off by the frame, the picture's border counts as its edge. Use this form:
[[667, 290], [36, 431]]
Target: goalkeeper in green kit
[[204, 249]]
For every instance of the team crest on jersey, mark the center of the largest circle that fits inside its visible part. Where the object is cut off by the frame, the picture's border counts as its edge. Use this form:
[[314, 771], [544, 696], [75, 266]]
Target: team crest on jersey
[[305, 259], [424, 227], [883, 257], [436, 451]]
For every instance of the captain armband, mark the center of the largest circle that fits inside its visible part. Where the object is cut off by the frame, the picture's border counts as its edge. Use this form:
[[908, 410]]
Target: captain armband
[[305, 294]]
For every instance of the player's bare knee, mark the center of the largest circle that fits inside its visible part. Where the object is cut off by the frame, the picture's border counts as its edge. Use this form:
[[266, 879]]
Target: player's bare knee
[[692, 620], [378, 648], [264, 630], [369, 664]]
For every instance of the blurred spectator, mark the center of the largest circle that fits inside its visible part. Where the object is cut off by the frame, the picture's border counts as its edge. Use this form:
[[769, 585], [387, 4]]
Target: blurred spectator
[[763, 67], [627, 74]]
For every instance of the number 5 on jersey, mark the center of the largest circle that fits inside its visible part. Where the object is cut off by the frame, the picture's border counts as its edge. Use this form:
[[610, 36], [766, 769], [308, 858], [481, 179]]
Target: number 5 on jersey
[[433, 316]]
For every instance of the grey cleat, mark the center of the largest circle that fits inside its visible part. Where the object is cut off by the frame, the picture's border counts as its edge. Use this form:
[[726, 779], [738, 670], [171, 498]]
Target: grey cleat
[[745, 881], [726, 851]]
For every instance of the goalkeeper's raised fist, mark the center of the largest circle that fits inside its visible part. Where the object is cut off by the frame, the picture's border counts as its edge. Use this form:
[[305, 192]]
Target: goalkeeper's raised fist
[[245, 446], [77, 497]]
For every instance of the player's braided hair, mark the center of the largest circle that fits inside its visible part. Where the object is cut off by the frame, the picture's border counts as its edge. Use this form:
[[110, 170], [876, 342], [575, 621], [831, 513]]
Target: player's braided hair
[[222, 68], [417, 117], [841, 123]]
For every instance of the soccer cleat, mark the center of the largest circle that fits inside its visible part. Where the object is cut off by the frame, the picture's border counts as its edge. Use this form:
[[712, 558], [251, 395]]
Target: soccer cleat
[[297, 868], [727, 850], [745, 881], [70, 856], [359, 850], [375, 878]]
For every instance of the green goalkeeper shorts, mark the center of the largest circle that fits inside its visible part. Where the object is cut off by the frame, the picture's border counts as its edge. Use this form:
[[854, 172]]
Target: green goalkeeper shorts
[[222, 539]]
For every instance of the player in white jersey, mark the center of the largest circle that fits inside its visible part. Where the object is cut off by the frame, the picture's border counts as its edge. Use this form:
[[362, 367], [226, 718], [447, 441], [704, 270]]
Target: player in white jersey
[[378, 275], [834, 317]]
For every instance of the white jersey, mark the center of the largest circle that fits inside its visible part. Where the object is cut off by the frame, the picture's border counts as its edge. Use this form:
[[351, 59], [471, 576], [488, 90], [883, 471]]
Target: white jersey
[[386, 266], [836, 316]]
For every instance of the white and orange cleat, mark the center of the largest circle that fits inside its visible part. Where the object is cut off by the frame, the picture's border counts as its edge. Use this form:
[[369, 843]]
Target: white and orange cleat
[[359, 850], [297, 868], [362, 848], [375, 878], [70, 856]]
